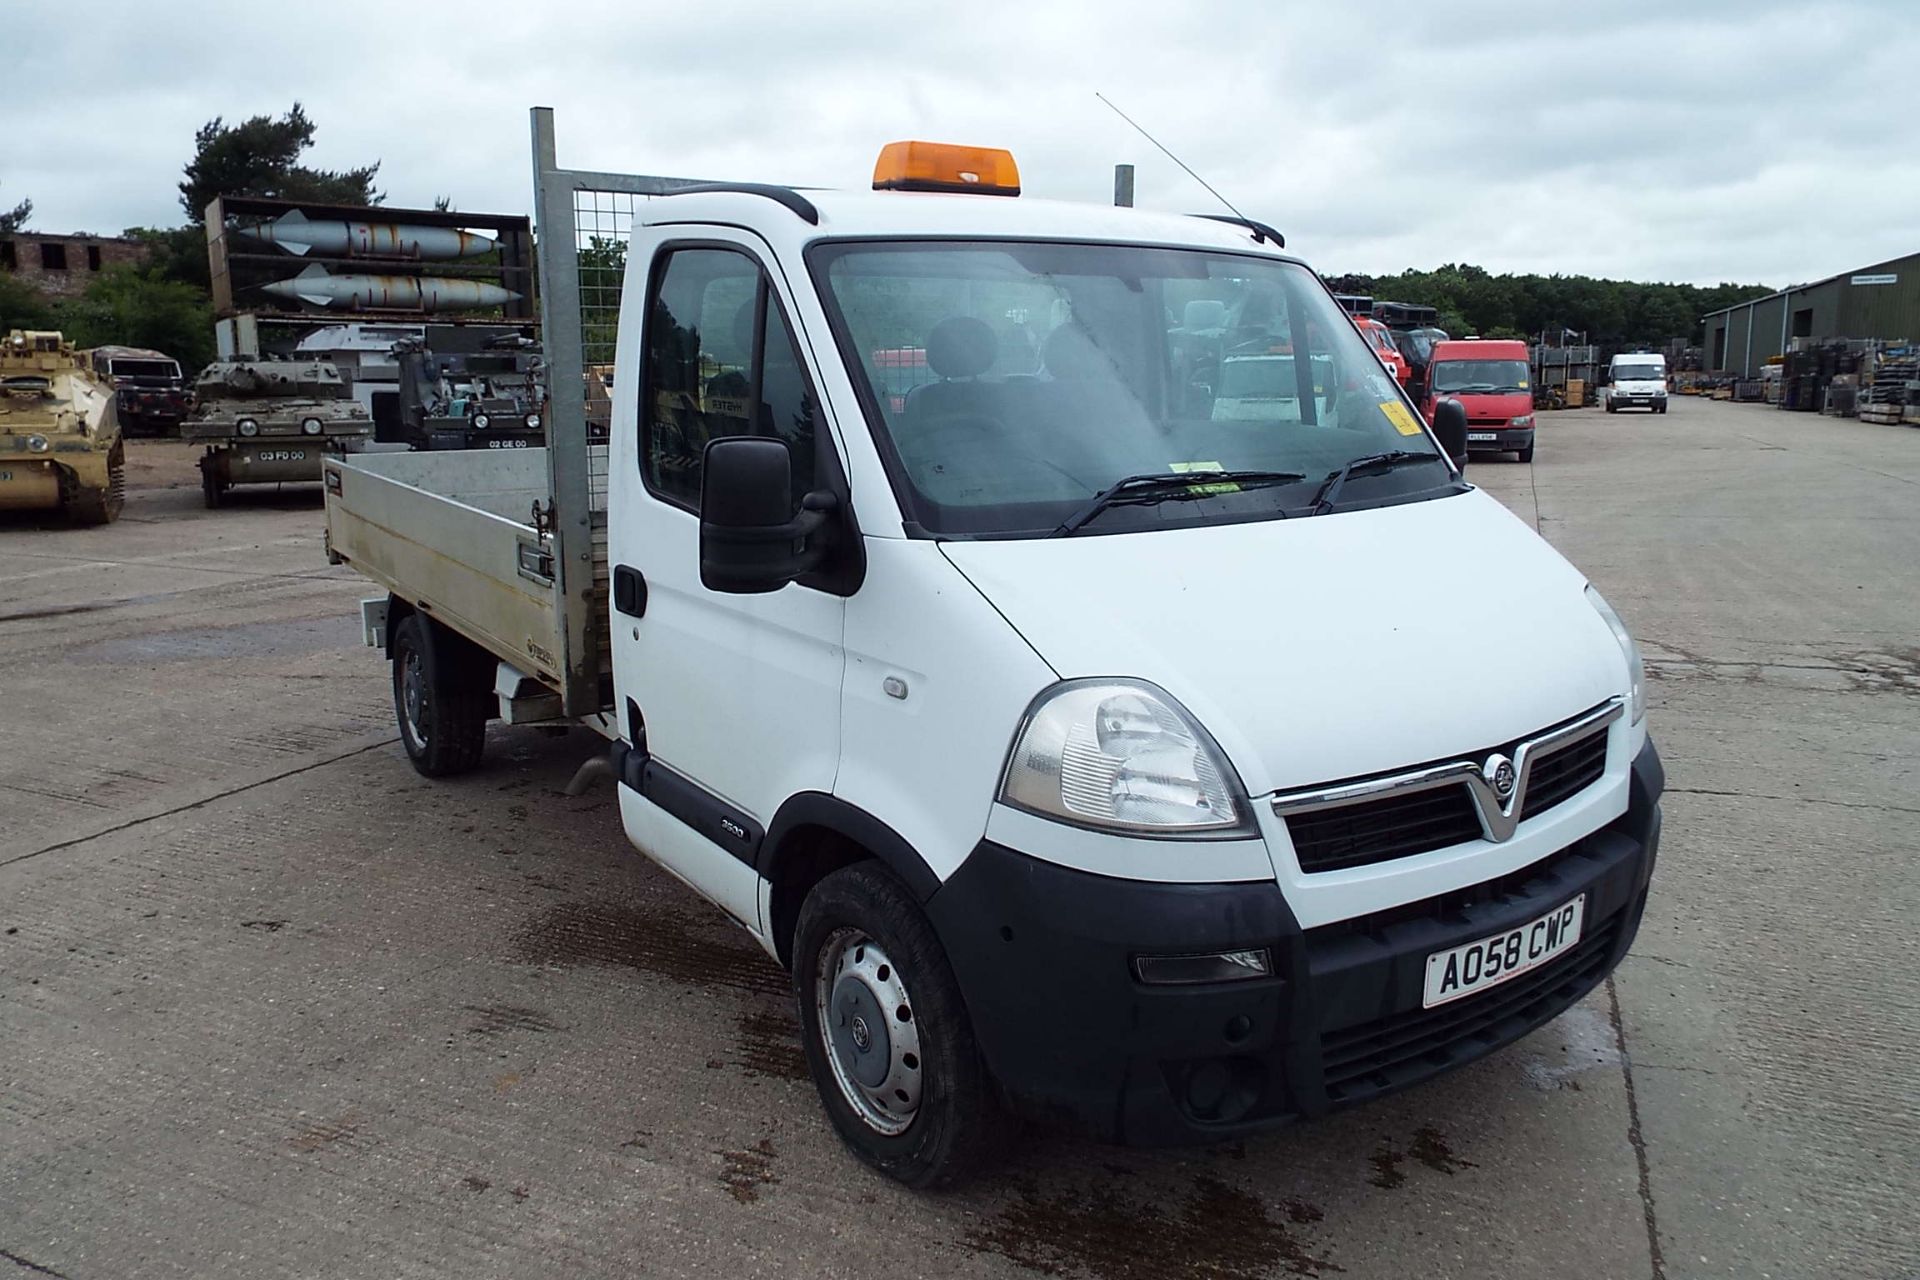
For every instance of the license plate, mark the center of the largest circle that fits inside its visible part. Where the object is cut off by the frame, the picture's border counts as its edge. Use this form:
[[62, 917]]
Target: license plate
[[281, 455], [1482, 435], [1461, 971], [506, 444]]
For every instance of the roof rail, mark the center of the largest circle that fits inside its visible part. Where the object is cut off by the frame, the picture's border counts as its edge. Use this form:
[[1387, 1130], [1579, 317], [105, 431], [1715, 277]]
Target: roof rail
[[1261, 231], [785, 196]]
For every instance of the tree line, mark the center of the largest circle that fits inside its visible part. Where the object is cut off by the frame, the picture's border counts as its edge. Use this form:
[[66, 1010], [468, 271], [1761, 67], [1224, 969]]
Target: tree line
[[1611, 313]]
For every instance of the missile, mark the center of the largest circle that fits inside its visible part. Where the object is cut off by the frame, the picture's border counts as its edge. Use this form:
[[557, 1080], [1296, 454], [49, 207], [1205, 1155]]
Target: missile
[[397, 293], [293, 232]]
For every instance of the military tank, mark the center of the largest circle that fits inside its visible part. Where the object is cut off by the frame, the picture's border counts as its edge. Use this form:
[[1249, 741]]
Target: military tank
[[271, 421], [60, 445], [485, 399]]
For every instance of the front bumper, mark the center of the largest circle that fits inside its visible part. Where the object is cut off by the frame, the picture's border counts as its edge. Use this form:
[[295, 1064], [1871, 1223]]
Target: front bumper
[[469, 438], [1639, 402], [273, 459], [1503, 439], [28, 482], [1044, 958]]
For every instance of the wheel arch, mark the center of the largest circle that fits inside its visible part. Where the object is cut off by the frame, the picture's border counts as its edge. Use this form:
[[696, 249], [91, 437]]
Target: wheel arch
[[459, 659], [815, 834]]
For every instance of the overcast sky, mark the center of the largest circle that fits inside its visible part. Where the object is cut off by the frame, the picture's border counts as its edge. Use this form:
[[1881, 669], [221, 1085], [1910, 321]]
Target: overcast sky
[[1705, 141]]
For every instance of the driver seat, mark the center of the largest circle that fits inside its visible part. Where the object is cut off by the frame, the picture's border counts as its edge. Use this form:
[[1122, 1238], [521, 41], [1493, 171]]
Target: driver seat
[[960, 349]]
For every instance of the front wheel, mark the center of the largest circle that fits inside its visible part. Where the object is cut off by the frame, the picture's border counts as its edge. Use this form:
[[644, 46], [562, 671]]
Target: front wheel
[[102, 506], [886, 1033], [213, 488], [443, 725], [1526, 454]]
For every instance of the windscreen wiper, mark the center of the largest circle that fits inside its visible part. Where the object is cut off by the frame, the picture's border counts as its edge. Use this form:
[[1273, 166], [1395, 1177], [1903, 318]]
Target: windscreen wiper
[[1160, 486], [1330, 487]]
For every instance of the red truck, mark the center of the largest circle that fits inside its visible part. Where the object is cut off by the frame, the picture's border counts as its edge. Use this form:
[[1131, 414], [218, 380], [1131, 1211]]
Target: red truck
[[1489, 379]]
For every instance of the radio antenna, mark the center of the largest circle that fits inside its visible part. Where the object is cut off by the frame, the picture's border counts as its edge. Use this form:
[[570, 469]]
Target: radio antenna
[[1176, 159]]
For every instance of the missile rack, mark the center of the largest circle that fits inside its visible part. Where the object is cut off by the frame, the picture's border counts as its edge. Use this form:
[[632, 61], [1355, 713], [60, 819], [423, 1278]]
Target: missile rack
[[241, 264]]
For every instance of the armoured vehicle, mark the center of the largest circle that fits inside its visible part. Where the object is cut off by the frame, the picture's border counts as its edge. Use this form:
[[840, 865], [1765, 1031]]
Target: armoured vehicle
[[149, 390], [60, 445], [270, 421], [485, 399]]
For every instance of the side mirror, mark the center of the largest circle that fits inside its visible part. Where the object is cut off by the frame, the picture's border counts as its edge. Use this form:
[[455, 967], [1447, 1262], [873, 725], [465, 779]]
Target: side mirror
[[1450, 425], [751, 542]]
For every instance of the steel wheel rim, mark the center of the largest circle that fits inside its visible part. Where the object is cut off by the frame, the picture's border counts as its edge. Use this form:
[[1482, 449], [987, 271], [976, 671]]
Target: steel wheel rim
[[413, 695], [868, 1031]]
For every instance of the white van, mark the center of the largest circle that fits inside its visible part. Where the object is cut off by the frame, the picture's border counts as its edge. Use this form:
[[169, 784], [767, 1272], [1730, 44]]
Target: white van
[[1637, 380], [1087, 755]]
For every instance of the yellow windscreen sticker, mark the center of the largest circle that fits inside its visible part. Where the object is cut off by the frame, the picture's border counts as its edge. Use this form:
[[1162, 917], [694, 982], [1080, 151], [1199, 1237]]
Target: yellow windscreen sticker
[[1225, 486], [1403, 422]]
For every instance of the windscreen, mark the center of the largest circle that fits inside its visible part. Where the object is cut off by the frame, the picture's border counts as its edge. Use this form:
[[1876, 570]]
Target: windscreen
[[1485, 377], [1638, 373], [1013, 382], [146, 370]]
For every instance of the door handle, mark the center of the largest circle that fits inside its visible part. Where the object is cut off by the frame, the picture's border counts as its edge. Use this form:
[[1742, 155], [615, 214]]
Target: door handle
[[629, 591]]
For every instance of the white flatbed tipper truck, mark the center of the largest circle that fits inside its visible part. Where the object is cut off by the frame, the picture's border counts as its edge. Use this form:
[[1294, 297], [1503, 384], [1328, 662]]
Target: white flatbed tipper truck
[[1093, 745]]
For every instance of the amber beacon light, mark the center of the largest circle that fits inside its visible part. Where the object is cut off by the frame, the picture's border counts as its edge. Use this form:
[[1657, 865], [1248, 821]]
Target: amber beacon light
[[942, 166]]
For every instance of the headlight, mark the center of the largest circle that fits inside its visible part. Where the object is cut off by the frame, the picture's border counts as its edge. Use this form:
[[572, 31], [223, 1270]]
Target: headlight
[[1122, 756], [248, 427], [36, 444], [1636, 672], [482, 421], [310, 426], [1524, 420], [533, 422]]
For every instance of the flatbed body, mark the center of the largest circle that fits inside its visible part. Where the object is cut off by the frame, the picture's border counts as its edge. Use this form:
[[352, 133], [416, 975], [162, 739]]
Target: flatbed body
[[460, 536]]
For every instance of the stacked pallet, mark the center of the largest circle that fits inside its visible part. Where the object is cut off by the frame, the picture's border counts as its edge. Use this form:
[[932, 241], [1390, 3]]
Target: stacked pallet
[[1891, 393]]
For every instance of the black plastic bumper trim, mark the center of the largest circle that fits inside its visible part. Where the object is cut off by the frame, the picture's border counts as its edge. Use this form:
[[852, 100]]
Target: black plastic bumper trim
[[1043, 956]]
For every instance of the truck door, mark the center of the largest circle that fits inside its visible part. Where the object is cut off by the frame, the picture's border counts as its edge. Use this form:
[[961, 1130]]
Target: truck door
[[739, 695]]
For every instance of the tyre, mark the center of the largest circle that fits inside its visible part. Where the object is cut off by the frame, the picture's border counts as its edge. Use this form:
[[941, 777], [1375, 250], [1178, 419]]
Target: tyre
[[887, 1036], [103, 507], [443, 721], [212, 488], [1611, 408], [1526, 454], [1659, 408]]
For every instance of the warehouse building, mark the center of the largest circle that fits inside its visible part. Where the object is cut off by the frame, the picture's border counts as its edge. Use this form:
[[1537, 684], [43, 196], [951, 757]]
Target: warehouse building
[[1880, 301]]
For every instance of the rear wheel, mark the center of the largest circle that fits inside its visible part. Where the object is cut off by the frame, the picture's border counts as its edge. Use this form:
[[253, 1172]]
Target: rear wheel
[[443, 720], [887, 1036]]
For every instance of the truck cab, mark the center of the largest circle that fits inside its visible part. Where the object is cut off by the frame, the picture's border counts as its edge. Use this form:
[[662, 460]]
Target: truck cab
[[150, 394], [1053, 724], [1380, 338], [1489, 379]]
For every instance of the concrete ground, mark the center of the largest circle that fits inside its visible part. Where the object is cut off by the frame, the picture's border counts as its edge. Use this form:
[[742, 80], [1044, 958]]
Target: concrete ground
[[270, 1004]]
